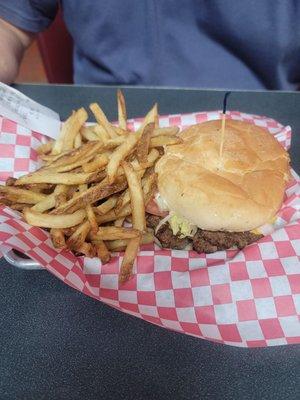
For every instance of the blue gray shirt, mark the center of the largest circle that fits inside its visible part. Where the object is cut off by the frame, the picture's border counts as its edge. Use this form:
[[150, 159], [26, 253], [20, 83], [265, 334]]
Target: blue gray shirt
[[249, 44]]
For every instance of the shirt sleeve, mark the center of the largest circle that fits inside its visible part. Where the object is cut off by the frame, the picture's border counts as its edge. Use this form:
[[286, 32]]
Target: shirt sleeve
[[31, 15]]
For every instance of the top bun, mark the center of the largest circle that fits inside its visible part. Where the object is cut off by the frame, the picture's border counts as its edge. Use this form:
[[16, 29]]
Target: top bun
[[238, 192]]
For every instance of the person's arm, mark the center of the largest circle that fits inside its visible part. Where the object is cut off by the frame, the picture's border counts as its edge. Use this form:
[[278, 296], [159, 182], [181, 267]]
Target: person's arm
[[13, 43]]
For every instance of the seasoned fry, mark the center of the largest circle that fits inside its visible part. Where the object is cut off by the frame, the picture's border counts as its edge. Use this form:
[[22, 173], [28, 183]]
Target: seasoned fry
[[113, 143], [159, 141], [18, 195], [53, 221], [122, 114], [167, 131], [142, 147], [58, 238], [136, 197], [115, 232], [102, 120], [17, 206], [128, 259], [118, 155], [120, 244]]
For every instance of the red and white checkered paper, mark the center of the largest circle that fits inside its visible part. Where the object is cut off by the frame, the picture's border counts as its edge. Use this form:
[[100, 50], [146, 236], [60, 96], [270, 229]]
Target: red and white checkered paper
[[247, 298]]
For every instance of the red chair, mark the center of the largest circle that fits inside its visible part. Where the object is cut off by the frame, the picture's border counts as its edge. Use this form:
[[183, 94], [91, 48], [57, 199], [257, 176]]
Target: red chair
[[56, 48]]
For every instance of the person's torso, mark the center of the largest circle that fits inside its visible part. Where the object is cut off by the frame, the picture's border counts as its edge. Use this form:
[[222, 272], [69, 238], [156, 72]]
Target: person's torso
[[190, 43]]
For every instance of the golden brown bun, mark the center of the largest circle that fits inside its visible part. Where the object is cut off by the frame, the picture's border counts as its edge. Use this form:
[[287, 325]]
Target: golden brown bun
[[238, 192]]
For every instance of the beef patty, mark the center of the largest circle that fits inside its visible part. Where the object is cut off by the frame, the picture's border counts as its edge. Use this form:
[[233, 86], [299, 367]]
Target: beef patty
[[203, 241]]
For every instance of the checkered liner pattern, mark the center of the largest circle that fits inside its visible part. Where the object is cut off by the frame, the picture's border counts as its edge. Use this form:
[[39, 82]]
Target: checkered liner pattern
[[247, 298]]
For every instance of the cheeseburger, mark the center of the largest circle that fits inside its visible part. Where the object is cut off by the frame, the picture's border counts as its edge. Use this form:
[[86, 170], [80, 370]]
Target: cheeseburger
[[212, 202]]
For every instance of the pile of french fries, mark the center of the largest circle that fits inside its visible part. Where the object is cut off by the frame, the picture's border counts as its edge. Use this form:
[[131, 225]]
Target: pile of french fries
[[94, 185]]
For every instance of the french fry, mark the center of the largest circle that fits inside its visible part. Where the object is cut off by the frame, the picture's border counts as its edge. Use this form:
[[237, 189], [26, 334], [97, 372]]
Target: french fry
[[101, 133], [87, 249], [118, 155], [166, 131], [18, 195], [142, 147], [17, 206], [44, 148], [115, 232], [122, 114], [58, 238], [159, 141], [102, 120], [136, 197], [128, 259], [10, 181], [152, 116], [87, 132], [113, 143], [120, 244], [67, 178], [77, 140], [79, 236], [112, 215], [102, 251], [53, 221], [93, 194], [69, 131], [119, 221], [100, 161], [121, 132], [107, 205]]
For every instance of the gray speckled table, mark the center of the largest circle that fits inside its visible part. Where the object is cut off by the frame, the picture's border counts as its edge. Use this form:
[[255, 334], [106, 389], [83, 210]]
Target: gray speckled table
[[59, 344]]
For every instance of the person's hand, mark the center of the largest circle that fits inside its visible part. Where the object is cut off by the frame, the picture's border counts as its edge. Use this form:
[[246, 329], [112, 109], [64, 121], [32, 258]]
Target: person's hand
[[13, 43]]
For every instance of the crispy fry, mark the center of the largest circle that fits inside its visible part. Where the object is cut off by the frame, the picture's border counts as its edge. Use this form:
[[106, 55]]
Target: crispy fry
[[78, 237], [18, 195], [53, 221], [101, 251], [113, 143], [118, 155], [93, 194], [120, 244], [142, 147], [45, 148], [128, 259], [58, 238], [87, 249], [107, 205], [102, 120], [17, 206], [159, 141], [115, 232], [100, 161], [91, 218], [167, 131], [120, 131], [136, 197], [122, 114]]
